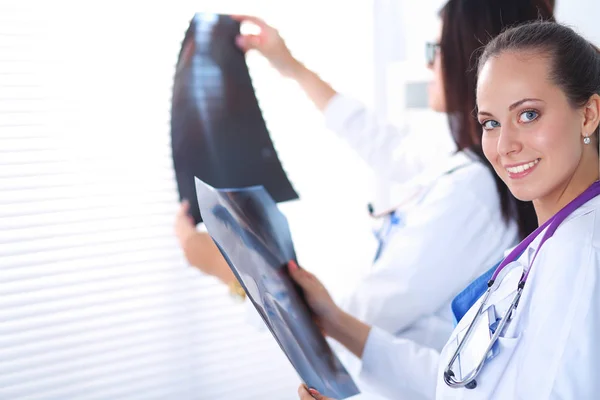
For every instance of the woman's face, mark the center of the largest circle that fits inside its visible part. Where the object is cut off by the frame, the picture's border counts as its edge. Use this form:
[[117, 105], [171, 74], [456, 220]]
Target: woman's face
[[532, 135], [436, 95]]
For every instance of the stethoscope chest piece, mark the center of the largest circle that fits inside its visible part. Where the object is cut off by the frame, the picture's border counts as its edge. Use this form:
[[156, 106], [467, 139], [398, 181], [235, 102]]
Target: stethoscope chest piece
[[476, 343]]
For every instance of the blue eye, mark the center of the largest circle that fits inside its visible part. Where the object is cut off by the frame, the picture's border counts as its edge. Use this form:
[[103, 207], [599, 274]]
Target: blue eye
[[528, 116], [490, 124]]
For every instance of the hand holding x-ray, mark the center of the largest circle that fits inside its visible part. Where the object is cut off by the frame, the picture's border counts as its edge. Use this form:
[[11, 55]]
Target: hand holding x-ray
[[254, 238]]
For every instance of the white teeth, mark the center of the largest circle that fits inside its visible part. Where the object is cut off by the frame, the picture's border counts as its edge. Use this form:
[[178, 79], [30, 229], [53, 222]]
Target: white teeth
[[523, 167]]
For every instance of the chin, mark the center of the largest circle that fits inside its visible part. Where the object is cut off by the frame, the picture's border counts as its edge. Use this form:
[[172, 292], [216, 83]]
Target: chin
[[523, 191], [522, 195]]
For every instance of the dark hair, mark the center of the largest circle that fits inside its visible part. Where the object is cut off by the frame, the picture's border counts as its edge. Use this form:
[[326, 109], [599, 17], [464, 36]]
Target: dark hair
[[468, 25], [574, 62]]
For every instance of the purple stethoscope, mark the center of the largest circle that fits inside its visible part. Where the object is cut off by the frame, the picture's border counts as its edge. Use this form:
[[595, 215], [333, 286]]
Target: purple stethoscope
[[552, 224]]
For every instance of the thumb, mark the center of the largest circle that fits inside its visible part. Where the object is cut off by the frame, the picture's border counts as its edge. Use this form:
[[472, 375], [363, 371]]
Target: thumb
[[303, 393], [298, 274], [184, 208], [315, 394], [247, 42]]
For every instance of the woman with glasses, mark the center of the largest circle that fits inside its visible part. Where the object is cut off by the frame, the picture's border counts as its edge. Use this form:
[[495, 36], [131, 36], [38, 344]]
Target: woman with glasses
[[455, 206]]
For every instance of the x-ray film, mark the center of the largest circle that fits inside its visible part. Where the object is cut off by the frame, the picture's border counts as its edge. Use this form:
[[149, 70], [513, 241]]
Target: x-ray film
[[217, 129], [254, 237]]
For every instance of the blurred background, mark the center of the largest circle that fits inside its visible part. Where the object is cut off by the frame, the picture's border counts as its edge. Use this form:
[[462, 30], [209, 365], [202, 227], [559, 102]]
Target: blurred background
[[96, 299]]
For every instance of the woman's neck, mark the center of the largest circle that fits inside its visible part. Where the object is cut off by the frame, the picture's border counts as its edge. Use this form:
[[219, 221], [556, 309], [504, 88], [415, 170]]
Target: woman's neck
[[586, 174]]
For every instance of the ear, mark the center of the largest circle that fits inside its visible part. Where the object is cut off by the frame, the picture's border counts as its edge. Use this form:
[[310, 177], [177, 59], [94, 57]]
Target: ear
[[591, 114]]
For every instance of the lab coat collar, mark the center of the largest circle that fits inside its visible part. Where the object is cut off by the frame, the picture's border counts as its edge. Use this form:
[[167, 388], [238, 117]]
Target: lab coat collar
[[412, 191], [527, 257], [463, 302], [456, 161]]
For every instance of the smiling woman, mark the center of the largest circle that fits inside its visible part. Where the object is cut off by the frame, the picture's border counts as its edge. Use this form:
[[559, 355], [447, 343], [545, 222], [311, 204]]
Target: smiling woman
[[534, 319], [538, 135]]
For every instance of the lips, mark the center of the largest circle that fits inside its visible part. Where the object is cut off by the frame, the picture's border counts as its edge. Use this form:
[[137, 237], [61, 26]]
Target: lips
[[518, 171]]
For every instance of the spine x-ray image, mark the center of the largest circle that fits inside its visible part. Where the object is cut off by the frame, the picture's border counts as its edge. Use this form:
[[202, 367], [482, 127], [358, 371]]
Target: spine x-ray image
[[254, 237], [217, 129]]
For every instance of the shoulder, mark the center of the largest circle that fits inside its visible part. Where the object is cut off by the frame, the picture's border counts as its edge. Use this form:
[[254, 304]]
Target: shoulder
[[564, 305], [566, 272], [472, 183], [580, 233], [574, 249], [467, 199]]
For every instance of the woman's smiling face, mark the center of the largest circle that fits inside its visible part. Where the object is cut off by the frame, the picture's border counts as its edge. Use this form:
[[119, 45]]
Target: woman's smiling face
[[532, 133]]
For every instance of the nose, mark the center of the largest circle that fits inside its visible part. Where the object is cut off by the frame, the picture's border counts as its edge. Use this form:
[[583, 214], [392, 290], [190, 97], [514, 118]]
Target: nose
[[509, 142]]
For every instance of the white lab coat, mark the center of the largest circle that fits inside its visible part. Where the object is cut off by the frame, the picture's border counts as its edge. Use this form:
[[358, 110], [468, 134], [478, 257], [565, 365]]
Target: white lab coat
[[408, 289], [397, 292], [550, 349]]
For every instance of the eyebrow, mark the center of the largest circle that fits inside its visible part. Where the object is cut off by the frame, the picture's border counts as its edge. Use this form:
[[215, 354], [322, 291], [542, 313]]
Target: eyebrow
[[512, 106]]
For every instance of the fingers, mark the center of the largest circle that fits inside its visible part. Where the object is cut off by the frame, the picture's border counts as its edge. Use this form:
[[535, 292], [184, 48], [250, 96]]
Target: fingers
[[303, 393], [248, 42], [185, 225], [319, 325], [249, 18], [293, 265], [184, 208], [299, 275], [317, 395], [310, 394], [183, 214], [305, 279]]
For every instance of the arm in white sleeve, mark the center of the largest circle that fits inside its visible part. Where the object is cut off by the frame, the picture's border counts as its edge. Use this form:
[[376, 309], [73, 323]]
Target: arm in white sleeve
[[452, 237], [389, 150], [393, 365]]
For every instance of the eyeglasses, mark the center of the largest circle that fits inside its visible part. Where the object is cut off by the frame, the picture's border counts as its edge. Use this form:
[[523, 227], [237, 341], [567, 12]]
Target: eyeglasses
[[431, 50]]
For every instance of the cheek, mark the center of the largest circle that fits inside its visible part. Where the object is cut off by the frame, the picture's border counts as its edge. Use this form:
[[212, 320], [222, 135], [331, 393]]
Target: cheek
[[438, 76], [553, 138], [489, 144], [436, 88]]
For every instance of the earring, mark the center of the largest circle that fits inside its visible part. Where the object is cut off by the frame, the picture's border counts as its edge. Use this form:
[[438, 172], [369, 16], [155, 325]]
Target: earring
[[587, 140]]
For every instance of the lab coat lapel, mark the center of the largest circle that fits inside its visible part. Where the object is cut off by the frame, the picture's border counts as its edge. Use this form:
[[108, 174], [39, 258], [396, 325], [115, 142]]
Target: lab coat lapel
[[414, 191], [560, 311], [523, 378]]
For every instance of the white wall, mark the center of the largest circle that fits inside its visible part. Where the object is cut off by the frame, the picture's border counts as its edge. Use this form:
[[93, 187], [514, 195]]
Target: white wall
[[406, 61], [582, 15]]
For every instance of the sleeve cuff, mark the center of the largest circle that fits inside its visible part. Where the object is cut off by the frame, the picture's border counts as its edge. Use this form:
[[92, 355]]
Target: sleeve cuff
[[337, 112], [376, 345], [394, 365]]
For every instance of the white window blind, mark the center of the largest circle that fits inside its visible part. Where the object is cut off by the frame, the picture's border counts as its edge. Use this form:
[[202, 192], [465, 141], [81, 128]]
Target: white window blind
[[96, 300]]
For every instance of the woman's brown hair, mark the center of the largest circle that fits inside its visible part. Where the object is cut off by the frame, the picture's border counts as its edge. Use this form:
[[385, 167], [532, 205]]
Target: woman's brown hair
[[468, 25]]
